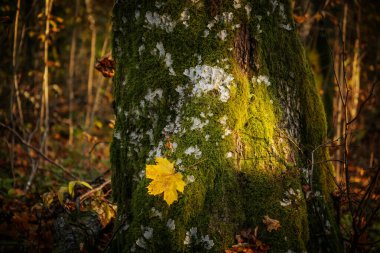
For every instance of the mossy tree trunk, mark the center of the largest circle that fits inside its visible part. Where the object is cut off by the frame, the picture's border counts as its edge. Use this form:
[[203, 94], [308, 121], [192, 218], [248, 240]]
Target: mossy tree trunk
[[221, 88]]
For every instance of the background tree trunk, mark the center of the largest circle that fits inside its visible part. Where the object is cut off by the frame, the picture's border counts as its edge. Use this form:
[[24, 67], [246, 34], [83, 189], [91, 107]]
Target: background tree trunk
[[251, 143]]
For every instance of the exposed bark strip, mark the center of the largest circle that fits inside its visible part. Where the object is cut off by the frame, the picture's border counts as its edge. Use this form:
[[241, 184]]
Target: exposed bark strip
[[244, 47]]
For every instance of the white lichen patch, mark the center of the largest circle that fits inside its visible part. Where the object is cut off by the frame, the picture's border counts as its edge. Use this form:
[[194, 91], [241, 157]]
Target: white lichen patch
[[248, 10], [206, 78], [141, 49], [125, 227], [117, 135], [153, 96], [155, 213], [211, 24], [229, 154], [176, 126], [190, 179], [282, 11], [158, 4], [185, 17], [207, 242], [156, 151], [135, 138], [150, 135], [153, 51], [193, 150], [170, 224], [161, 49], [261, 79], [223, 120], [192, 239], [147, 232], [222, 35], [137, 14], [287, 27], [258, 29], [199, 58], [169, 63], [291, 197], [237, 4], [274, 5], [197, 123], [191, 234], [225, 17], [141, 243], [236, 26], [167, 57], [227, 132], [155, 20]]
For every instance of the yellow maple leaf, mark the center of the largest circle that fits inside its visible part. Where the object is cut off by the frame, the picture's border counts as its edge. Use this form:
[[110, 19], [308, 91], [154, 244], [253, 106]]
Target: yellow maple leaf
[[165, 180]]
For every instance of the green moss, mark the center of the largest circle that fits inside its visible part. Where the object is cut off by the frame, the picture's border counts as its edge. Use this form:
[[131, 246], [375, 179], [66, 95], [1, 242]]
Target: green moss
[[228, 194]]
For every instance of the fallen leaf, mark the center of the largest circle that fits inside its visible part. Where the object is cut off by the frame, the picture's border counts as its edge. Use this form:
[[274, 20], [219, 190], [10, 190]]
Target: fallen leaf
[[271, 224], [106, 66], [165, 180], [48, 198]]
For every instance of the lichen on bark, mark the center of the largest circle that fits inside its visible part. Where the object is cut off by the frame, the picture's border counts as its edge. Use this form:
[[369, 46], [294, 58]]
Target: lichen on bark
[[223, 89]]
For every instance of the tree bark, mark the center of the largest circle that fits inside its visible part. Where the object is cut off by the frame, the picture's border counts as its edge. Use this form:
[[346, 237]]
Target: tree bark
[[223, 89]]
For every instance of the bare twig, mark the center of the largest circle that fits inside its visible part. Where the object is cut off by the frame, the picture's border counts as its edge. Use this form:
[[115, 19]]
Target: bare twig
[[364, 103], [37, 151], [96, 144], [89, 193], [367, 195]]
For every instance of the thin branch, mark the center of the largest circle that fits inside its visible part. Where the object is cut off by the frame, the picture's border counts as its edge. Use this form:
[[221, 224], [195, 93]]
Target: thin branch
[[96, 144], [367, 195], [364, 103], [37, 151], [89, 193]]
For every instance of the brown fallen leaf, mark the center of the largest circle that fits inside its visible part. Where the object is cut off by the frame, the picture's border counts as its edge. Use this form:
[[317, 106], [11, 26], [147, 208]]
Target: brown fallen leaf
[[271, 224], [106, 66]]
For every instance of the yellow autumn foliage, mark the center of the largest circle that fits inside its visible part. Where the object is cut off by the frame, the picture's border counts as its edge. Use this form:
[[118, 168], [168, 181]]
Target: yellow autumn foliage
[[165, 180]]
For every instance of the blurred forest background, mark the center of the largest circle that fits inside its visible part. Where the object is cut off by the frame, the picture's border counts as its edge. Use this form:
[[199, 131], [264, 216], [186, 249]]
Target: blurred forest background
[[56, 115]]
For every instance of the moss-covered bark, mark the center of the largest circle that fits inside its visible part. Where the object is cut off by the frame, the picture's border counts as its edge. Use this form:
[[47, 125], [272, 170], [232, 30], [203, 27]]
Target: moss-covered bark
[[246, 141]]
